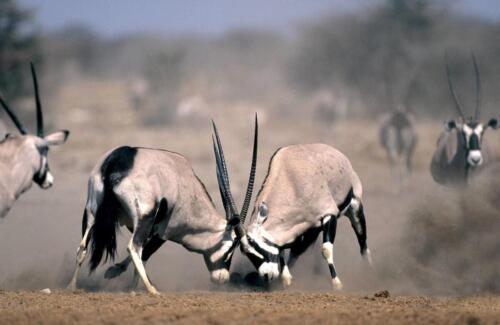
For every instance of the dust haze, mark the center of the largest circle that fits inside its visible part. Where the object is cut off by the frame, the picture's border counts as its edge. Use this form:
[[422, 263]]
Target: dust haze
[[328, 83]]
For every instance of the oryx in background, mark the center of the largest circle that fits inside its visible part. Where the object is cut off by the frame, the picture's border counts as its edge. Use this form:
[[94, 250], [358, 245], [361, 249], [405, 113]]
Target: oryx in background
[[398, 137], [459, 147], [307, 188], [23, 158], [158, 197]]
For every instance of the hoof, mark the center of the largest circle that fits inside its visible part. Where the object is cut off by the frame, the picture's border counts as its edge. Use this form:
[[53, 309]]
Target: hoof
[[220, 276], [337, 284], [114, 271], [286, 277], [153, 291], [368, 257], [71, 287], [287, 281]]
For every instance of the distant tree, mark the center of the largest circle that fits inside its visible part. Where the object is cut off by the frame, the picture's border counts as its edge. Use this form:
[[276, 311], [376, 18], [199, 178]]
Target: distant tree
[[377, 53], [18, 46]]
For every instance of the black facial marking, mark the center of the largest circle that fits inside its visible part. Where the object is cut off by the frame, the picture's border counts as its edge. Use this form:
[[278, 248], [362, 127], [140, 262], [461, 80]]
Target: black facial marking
[[41, 174], [474, 142], [268, 257]]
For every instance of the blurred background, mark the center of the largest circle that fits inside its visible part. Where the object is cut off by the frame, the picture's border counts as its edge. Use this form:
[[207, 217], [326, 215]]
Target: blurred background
[[154, 74]]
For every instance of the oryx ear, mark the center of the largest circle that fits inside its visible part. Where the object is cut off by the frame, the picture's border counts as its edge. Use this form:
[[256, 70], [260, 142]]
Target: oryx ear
[[56, 138], [493, 123], [263, 212], [450, 125]]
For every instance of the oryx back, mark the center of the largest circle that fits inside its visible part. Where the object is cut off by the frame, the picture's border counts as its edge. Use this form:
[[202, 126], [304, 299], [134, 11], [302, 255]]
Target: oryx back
[[305, 183]]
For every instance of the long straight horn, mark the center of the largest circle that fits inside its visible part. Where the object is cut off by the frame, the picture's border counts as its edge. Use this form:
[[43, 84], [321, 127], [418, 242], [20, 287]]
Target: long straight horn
[[39, 113], [251, 178], [453, 95], [220, 181], [13, 117], [478, 88], [222, 169]]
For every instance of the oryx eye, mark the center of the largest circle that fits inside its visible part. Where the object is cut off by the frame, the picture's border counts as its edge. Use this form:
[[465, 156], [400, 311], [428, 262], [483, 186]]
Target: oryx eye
[[263, 212]]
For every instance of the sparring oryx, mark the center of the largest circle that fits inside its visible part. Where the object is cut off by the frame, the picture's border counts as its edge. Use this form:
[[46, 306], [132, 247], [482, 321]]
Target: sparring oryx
[[23, 158], [307, 188], [459, 147], [398, 137], [158, 197]]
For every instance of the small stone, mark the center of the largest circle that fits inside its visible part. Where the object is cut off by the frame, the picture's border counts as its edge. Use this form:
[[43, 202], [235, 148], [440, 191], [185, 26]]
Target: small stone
[[46, 291], [382, 294]]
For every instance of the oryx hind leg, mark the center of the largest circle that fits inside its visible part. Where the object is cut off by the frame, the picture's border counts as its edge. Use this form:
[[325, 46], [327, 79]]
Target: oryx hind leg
[[87, 223], [329, 225], [149, 249], [356, 215], [143, 226]]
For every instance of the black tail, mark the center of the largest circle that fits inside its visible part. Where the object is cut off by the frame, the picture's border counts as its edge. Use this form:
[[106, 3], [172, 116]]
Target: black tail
[[102, 236]]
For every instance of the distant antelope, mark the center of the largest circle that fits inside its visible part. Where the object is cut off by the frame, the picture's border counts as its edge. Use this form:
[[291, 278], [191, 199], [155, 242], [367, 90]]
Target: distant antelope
[[459, 151], [23, 158], [158, 197], [399, 138], [307, 188]]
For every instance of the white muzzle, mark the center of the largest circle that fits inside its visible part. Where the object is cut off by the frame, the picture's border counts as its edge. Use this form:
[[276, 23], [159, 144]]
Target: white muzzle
[[475, 158], [269, 270]]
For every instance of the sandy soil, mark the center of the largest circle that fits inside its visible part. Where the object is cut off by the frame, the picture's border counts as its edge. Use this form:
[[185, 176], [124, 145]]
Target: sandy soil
[[242, 308]]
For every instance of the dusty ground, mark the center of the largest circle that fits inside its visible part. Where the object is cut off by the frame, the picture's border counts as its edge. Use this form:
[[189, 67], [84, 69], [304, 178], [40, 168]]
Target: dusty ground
[[243, 308]]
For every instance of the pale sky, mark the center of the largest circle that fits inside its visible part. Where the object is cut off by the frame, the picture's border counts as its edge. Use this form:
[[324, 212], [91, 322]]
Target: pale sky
[[119, 17]]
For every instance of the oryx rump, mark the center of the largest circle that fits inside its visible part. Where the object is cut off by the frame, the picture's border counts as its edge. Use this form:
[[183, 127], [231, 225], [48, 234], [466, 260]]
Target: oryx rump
[[157, 196], [459, 147], [307, 188], [23, 158]]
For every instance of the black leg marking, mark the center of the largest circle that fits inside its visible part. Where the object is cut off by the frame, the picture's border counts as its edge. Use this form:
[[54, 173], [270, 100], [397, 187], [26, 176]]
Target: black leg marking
[[357, 217], [329, 232], [151, 247]]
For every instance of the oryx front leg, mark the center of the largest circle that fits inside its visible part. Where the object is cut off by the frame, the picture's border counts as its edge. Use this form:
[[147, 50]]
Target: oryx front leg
[[286, 276], [357, 217], [81, 252], [329, 231]]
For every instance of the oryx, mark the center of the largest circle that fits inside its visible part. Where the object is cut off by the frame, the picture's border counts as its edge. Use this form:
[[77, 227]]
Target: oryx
[[459, 150], [158, 197], [23, 158], [398, 137], [307, 188]]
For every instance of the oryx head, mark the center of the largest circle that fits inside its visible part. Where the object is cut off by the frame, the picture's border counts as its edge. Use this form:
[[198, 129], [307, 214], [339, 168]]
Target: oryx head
[[235, 219], [36, 147], [470, 129], [262, 252]]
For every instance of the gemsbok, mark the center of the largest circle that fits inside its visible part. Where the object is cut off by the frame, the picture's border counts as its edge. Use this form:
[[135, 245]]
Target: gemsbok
[[158, 197], [307, 188], [23, 158], [398, 137], [459, 147]]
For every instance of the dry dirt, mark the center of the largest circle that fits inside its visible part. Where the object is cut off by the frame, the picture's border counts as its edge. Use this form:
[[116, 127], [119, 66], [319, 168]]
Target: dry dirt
[[243, 308]]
